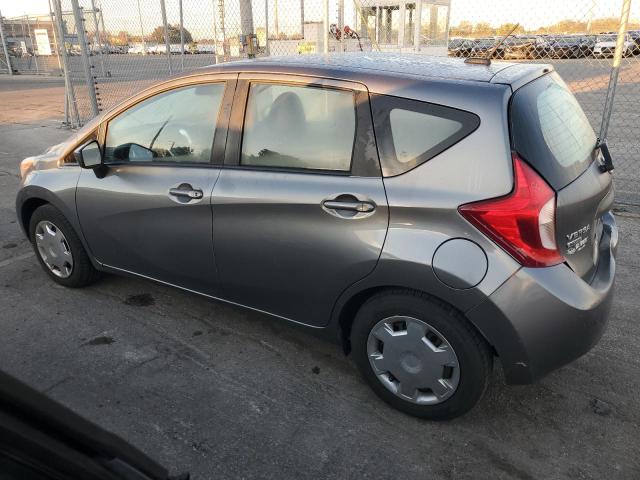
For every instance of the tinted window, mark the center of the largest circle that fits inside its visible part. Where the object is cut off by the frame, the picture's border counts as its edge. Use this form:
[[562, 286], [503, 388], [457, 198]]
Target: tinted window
[[299, 127], [550, 130], [175, 126], [410, 132]]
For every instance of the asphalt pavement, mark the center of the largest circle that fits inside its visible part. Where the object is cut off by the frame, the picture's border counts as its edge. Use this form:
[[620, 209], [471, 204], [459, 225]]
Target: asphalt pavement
[[228, 393]]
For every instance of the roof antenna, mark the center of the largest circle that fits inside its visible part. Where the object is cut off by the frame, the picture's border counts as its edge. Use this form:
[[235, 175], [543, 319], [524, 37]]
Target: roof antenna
[[486, 60]]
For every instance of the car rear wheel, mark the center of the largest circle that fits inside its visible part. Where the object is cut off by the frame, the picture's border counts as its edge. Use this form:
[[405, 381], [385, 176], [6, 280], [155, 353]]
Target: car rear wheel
[[420, 355], [59, 250]]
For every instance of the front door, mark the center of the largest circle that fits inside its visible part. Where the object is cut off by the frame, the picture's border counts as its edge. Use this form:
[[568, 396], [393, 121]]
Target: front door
[[151, 213], [299, 210]]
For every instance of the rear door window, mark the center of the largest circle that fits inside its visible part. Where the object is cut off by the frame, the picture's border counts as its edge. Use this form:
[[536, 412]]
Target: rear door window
[[550, 130], [410, 132], [299, 127]]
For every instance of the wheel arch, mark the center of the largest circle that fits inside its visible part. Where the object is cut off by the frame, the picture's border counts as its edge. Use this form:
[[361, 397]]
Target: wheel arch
[[32, 197], [26, 210], [349, 304]]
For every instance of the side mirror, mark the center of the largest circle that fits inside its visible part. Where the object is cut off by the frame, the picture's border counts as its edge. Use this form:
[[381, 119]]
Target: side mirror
[[90, 156]]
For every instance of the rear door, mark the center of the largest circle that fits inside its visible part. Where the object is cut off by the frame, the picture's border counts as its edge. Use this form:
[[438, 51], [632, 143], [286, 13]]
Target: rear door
[[551, 132], [300, 212]]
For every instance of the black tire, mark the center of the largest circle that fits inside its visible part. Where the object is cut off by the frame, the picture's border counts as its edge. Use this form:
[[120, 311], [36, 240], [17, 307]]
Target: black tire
[[474, 355], [83, 273]]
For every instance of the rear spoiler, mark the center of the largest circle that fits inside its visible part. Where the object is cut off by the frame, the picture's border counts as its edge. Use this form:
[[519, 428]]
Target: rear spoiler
[[518, 74]]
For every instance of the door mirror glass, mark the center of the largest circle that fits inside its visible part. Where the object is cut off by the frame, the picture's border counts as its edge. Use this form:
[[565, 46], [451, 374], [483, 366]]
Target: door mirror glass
[[133, 152], [91, 155]]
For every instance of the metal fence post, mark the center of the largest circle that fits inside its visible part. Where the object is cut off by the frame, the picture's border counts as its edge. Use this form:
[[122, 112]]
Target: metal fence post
[[219, 29], [615, 69], [70, 97], [4, 47], [86, 63], [55, 37], [98, 39], [301, 17], [325, 26], [33, 46], [417, 26], [181, 36], [266, 26], [163, 11], [144, 45]]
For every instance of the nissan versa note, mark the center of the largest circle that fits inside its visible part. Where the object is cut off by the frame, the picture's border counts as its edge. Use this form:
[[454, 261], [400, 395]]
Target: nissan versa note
[[428, 214]]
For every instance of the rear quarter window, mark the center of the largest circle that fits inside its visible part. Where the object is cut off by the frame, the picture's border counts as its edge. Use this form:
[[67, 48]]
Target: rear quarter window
[[410, 132], [550, 130]]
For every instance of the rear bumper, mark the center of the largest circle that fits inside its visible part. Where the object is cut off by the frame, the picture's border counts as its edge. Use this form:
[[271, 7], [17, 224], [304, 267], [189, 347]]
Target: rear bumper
[[543, 318]]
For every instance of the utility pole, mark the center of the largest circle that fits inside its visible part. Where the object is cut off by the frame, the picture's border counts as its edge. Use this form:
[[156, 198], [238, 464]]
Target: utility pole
[[246, 17]]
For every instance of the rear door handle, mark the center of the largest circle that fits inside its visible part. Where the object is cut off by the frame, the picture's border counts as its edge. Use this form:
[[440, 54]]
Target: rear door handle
[[359, 207], [186, 193]]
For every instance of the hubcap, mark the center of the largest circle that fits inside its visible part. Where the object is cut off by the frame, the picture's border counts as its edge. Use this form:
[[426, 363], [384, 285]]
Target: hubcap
[[413, 360], [54, 249]]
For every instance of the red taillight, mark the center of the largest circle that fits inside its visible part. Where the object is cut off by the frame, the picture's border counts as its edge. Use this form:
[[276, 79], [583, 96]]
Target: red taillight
[[523, 222]]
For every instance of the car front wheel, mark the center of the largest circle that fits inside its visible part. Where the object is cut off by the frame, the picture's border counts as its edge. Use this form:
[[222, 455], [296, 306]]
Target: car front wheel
[[420, 355], [59, 250]]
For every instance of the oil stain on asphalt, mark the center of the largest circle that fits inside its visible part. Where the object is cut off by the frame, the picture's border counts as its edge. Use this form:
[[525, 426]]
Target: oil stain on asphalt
[[140, 300], [101, 340]]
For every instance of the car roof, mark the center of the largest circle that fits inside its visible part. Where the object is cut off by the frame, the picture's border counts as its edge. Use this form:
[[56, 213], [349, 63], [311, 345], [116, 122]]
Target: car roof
[[358, 66]]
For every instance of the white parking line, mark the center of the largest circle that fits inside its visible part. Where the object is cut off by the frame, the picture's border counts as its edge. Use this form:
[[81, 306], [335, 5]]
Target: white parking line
[[11, 260]]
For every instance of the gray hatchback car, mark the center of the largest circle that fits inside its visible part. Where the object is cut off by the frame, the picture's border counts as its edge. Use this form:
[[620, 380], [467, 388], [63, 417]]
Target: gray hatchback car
[[427, 213]]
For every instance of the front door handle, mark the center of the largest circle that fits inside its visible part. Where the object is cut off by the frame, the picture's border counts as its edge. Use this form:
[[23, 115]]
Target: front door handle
[[192, 193], [358, 207]]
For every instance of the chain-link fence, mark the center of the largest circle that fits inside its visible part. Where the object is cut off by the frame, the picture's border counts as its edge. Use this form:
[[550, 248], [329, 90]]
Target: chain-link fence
[[125, 45], [30, 45]]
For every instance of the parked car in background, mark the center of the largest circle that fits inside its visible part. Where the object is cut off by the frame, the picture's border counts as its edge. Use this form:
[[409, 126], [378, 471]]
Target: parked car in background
[[455, 43], [572, 46], [462, 48], [605, 45], [136, 49], [426, 214], [634, 35], [205, 48], [520, 47], [482, 46]]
